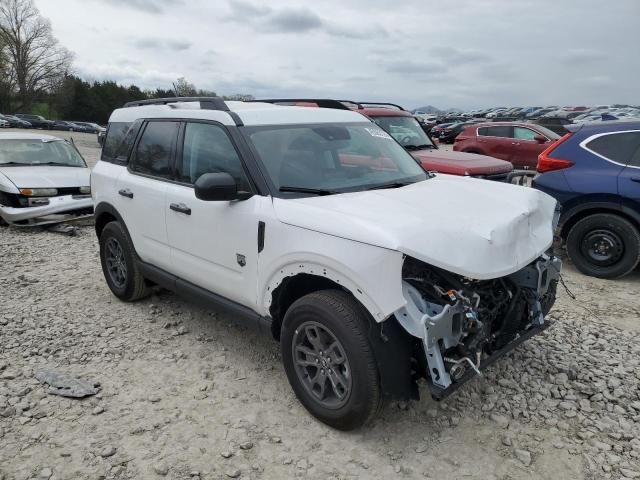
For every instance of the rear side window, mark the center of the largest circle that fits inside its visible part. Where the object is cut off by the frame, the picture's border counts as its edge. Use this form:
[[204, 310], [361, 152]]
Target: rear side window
[[497, 131], [115, 135], [154, 150], [618, 147]]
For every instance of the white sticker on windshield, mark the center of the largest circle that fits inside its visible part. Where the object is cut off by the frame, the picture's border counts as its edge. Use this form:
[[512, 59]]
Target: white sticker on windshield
[[376, 132]]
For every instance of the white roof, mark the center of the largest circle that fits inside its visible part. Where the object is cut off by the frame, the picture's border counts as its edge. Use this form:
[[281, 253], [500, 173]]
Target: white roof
[[28, 136], [251, 113]]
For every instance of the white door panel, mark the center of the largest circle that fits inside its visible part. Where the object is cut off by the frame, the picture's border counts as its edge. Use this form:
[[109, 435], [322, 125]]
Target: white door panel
[[144, 214], [209, 245]]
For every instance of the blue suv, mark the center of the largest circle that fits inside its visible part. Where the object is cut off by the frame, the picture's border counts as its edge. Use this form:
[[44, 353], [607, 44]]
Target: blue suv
[[594, 173]]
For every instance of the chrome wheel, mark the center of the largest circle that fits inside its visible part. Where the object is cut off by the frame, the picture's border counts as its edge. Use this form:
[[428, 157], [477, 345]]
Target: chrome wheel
[[321, 364]]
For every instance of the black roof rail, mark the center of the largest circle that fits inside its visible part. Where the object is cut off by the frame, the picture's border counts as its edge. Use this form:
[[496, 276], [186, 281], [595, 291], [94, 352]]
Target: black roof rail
[[356, 104], [387, 104], [321, 102], [206, 103]]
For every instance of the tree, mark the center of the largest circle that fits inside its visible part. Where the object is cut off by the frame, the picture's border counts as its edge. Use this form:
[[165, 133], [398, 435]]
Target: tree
[[184, 88], [36, 61]]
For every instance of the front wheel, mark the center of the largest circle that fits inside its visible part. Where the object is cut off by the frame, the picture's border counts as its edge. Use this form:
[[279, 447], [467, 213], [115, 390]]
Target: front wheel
[[604, 245], [329, 361]]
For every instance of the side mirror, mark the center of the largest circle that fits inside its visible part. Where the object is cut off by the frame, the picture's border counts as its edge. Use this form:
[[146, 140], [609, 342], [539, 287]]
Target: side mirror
[[218, 187], [540, 138]]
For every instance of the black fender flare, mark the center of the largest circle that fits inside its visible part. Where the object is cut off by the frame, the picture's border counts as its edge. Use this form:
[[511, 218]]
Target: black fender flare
[[106, 208]]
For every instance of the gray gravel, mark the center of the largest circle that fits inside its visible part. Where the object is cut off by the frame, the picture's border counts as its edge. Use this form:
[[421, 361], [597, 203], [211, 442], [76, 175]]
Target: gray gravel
[[186, 393]]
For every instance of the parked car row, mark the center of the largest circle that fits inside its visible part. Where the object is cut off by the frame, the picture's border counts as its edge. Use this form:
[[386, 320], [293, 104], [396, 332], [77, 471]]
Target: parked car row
[[23, 120]]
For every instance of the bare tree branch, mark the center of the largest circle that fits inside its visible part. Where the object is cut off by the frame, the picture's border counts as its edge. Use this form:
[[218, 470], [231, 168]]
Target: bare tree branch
[[35, 59]]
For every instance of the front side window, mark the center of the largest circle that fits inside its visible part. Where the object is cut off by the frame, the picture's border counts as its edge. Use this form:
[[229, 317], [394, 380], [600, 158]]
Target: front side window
[[522, 133], [207, 149], [406, 131], [153, 152], [618, 147], [37, 152], [333, 157]]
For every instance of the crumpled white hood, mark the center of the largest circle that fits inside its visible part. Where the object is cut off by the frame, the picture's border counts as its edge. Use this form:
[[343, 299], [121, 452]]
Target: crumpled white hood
[[47, 176], [476, 228]]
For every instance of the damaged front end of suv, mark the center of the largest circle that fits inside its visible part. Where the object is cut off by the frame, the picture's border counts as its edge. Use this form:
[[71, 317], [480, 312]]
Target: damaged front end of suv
[[465, 325]]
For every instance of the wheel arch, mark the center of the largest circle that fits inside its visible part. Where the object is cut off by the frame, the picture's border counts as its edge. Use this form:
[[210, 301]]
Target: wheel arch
[[394, 348], [574, 215], [105, 213]]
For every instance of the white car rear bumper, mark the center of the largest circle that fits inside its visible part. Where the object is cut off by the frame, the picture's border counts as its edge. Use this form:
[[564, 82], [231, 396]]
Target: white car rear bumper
[[66, 204]]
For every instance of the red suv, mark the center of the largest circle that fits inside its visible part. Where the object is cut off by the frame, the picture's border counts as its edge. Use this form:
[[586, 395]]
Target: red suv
[[516, 142], [407, 131]]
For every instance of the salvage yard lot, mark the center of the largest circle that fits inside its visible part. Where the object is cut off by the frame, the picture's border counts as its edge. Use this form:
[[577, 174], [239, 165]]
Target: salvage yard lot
[[184, 390]]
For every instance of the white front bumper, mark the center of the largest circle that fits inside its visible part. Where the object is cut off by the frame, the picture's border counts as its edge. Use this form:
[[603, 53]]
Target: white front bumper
[[57, 205]]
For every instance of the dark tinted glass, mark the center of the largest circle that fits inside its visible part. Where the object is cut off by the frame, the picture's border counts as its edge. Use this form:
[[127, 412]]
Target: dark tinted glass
[[153, 153], [207, 149], [123, 150], [115, 134], [619, 147], [498, 131]]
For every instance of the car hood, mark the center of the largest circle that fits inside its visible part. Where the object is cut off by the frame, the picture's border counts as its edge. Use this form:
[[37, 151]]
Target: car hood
[[46, 176], [461, 163], [471, 227]]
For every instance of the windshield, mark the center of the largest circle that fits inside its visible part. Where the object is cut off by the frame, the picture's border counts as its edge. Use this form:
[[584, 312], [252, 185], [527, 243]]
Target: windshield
[[406, 130], [38, 152], [332, 158]]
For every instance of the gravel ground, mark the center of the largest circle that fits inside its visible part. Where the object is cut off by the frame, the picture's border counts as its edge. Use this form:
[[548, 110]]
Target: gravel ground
[[186, 393]]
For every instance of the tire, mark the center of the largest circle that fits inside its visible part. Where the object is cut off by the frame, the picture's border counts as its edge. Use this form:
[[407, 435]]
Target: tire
[[332, 312], [126, 283], [604, 245]]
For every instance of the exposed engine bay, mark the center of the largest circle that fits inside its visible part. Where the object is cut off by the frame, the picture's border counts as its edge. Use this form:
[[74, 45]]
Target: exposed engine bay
[[464, 323]]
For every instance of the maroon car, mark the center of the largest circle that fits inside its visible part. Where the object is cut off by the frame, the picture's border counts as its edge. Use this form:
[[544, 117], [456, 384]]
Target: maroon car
[[406, 130], [517, 142]]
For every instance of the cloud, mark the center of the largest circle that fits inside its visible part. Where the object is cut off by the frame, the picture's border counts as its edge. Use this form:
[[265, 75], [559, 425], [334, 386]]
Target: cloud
[[153, 43], [409, 67], [456, 56], [579, 56], [296, 20], [147, 6]]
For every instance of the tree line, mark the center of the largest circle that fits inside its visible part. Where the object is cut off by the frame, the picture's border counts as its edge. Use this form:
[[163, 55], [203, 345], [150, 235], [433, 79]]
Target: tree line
[[36, 74]]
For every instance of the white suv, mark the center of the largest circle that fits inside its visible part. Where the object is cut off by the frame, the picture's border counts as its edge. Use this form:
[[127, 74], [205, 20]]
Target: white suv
[[316, 226]]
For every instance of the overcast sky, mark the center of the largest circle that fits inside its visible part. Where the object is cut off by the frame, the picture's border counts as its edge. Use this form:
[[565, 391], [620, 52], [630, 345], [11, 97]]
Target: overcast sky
[[462, 53]]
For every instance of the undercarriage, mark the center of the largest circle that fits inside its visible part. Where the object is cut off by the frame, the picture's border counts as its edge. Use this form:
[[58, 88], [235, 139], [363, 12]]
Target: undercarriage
[[465, 325]]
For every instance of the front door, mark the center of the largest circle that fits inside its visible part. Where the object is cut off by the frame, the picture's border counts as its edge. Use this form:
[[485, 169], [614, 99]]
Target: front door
[[214, 244], [142, 189]]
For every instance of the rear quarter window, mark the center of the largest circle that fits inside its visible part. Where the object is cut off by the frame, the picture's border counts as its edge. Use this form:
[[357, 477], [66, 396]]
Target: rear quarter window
[[116, 132], [618, 147], [498, 131]]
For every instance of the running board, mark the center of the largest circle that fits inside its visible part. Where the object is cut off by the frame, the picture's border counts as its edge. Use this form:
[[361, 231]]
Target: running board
[[439, 393]]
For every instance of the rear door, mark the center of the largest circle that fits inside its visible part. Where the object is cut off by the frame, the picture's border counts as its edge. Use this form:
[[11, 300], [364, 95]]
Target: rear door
[[626, 147], [141, 191], [496, 141]]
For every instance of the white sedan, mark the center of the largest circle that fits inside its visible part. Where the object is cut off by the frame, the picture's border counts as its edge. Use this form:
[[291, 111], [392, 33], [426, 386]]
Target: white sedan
[[43, 180]]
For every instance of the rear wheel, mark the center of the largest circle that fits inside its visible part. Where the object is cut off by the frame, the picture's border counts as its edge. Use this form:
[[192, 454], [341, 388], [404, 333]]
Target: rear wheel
[[604, 245], [329, 361], [119, 265]]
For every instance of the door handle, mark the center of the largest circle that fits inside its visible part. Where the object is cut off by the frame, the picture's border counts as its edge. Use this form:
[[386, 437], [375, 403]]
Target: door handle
[[125, 192], [180, 208], [635, 179], [515, 143]]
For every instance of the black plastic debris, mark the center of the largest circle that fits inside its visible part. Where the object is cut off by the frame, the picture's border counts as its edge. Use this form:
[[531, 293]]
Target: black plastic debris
[[66, 385]]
